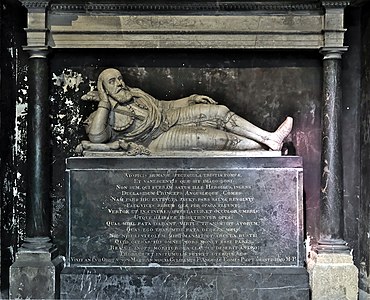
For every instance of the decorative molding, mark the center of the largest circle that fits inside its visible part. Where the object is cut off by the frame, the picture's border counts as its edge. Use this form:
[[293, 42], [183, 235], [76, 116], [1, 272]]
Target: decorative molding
[[37, 51], [333, 53], [189, 6], [35, 4], [335, 3]]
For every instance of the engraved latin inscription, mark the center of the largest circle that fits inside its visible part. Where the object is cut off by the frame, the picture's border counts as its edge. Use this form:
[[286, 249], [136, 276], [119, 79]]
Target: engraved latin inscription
[[186, 217]]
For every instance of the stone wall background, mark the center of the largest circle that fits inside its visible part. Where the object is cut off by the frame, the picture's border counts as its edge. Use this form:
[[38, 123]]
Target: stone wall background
[[264, 87], [363, 223], [13, 109]]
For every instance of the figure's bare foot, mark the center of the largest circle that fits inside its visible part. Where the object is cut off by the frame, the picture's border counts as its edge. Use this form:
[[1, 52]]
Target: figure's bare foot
[[275, 140]]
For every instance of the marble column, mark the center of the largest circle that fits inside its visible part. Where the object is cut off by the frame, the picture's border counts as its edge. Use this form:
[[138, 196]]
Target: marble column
[[331, 219], [332, 272], [38, 148], [34, 274]]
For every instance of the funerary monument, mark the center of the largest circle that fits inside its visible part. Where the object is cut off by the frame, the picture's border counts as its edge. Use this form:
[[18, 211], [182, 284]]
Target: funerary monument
[[181, 198]]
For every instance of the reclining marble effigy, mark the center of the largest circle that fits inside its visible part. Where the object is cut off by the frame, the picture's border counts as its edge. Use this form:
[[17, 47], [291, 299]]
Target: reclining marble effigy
[[130, 119]]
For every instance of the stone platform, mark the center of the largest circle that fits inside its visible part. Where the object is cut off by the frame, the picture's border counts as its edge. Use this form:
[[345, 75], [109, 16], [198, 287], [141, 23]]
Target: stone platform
[[153, 283], [179, 228]]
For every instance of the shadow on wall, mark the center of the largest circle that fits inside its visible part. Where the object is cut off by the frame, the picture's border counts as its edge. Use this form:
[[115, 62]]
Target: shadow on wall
[[12, 98]]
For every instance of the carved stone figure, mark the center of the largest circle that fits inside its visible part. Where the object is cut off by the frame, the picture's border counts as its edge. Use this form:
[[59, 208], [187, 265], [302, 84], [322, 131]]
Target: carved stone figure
[[132, 120]]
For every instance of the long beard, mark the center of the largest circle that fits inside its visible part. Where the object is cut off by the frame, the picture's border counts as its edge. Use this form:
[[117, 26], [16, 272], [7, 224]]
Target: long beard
[[123, 96]]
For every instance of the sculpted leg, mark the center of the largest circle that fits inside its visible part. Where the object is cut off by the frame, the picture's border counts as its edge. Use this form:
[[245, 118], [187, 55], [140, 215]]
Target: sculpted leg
[[274, 140], [201, 138], [220, 117]]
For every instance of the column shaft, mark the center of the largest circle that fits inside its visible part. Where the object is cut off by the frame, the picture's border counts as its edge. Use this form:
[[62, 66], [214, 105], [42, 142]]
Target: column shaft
[[332, 220], [38, 144]]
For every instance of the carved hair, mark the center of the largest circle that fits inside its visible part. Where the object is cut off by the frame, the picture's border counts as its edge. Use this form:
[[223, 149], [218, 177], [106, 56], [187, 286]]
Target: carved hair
[[101, 89]]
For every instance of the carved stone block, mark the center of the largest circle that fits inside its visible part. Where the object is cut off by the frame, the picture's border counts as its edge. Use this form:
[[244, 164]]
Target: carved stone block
[[181, 226]]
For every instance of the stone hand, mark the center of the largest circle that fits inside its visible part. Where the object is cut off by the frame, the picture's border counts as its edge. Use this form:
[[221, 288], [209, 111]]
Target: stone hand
[[104, 103], [133, 149], [91, 96], [201, 99]]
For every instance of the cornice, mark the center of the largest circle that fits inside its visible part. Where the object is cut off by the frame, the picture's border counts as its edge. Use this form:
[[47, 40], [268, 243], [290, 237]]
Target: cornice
[[35, 4], [189, 6], [335, 3], [184, 6]]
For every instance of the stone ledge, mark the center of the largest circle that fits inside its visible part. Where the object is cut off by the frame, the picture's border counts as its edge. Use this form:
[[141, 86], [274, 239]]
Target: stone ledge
[[189, 154], [153, 283]]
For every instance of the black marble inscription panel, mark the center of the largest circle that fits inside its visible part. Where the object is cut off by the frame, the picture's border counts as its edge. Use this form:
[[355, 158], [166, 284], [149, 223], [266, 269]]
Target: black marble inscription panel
[[185, 212]]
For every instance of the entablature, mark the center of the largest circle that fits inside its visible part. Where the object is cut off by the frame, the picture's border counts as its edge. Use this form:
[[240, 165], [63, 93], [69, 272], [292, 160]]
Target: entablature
[[299, 24]]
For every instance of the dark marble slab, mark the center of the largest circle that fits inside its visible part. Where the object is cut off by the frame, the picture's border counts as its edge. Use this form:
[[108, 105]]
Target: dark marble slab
[[185, 228], [185, 212], [183, 283]]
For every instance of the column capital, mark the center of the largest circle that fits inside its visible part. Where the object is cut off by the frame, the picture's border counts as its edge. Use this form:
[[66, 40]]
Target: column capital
[[37, 52], [333, 52]]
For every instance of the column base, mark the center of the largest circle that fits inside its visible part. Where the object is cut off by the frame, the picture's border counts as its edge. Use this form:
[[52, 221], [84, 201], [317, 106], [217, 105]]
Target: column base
[[35, 272], [338, 246], [333, 276]]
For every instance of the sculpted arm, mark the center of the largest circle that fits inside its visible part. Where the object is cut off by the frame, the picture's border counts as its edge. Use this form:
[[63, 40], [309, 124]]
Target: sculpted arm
[[188, 101], [99, 131]]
